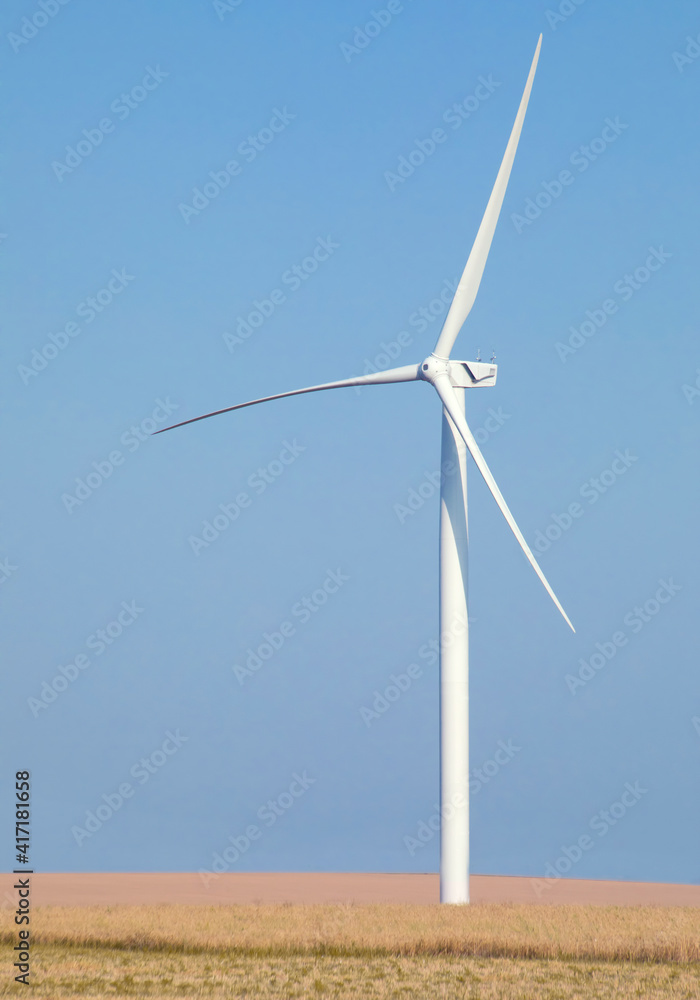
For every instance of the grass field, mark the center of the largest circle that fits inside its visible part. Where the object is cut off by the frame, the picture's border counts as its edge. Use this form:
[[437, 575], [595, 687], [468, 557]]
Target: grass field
[[483, 951]]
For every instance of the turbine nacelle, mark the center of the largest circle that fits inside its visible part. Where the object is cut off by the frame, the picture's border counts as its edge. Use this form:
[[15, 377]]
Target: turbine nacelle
[[462, 374]]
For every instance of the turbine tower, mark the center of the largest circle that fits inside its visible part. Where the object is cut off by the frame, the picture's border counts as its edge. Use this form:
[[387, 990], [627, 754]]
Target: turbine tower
[[450, 379]]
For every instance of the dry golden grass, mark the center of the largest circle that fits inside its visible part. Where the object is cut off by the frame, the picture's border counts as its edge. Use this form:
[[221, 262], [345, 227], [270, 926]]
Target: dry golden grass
[[482, 952], [656, 934], [93, 973]]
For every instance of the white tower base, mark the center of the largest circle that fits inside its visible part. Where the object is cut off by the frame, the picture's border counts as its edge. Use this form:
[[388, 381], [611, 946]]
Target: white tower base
[[454, 667]]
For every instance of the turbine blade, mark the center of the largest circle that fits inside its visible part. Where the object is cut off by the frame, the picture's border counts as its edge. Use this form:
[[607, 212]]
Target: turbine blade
[[447, 395], [471, 278], [407, 373]]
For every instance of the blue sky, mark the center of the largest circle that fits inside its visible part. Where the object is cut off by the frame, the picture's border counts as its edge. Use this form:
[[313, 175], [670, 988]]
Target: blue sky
[[166, 171]]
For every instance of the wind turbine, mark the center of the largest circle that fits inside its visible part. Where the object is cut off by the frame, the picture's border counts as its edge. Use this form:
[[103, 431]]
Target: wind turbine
[[450, 379]]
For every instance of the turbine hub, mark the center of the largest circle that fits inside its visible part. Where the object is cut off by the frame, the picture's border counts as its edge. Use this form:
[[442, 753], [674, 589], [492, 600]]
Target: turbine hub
[[432, 367]]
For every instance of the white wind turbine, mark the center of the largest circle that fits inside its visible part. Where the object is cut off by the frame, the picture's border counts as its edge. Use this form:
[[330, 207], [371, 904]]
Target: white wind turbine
[[450, 378]]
